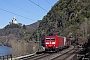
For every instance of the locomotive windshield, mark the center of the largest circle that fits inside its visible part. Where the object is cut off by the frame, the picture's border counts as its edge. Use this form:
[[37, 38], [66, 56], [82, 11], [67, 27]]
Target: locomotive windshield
[[47, 38], [50, 38]]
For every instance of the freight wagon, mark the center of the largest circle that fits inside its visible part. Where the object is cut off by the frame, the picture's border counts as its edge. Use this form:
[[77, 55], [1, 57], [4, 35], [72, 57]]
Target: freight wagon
[[55, 43]]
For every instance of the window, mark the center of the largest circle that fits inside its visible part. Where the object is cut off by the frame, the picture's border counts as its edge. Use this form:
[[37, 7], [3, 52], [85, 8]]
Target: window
[[52, 38], [47, 38]]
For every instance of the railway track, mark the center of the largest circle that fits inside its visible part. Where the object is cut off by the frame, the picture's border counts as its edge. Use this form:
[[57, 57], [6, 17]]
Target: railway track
[[35, 57], [66, 55], [53, 56], [31, 57], [39, 57]]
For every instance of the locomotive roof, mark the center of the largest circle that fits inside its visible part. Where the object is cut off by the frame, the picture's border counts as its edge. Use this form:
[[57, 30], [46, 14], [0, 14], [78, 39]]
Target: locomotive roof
[[55, 36]]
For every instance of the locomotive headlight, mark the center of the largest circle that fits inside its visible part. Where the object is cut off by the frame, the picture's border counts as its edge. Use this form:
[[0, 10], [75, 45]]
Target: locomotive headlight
[[53, 42], [47, 43]]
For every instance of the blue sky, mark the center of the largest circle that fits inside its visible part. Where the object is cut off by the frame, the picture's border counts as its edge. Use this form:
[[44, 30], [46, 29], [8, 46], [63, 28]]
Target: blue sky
[[25, 11]]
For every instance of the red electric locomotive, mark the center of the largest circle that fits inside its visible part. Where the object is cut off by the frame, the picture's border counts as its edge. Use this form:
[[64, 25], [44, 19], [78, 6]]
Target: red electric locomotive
[[55, 43]]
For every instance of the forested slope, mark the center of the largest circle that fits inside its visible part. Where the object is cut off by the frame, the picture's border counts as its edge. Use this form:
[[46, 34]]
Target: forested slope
[[66, 17]]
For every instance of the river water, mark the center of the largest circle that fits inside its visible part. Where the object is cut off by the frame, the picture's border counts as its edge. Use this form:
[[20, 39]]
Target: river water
[[4, 50]]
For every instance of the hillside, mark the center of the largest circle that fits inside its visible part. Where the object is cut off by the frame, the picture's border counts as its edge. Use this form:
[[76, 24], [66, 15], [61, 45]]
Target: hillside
[[33, 26], [66, 18], [16, 36], [20, 32]]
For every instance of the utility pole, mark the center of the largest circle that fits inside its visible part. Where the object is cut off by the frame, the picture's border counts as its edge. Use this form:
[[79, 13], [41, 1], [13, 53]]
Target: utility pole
[[38, 41]]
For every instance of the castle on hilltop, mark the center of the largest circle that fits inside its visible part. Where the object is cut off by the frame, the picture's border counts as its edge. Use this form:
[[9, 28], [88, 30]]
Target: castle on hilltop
[[14, 21]]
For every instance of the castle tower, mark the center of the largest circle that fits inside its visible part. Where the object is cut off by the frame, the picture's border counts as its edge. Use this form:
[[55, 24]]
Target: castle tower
[[14, 21]]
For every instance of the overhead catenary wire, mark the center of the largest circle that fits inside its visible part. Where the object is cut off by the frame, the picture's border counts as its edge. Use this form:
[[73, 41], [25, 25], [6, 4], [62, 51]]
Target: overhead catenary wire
[[20, 8], [38, 5], [14, 5], [15, 14], [48, 2]]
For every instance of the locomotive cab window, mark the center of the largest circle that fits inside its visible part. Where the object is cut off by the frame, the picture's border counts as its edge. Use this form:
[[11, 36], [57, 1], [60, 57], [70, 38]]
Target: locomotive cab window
[[47, 38], [52, 38]]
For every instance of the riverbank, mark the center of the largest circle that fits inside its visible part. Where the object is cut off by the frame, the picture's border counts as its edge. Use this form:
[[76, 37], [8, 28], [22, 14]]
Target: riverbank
[[19, 47]]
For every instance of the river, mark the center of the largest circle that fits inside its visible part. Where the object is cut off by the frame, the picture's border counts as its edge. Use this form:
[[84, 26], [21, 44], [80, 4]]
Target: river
[[4, 50]]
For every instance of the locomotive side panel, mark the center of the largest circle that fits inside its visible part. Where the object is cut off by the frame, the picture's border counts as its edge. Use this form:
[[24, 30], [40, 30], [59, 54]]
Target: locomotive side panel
[[56, 41], [61, 42]]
